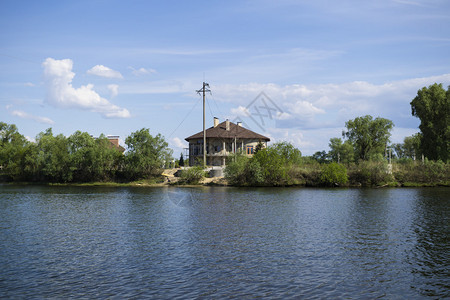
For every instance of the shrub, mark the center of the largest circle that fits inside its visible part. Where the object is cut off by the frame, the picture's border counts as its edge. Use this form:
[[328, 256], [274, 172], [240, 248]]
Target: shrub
[[368, 173], [334, 174], [235, 170], [426, 173], [192, 175]]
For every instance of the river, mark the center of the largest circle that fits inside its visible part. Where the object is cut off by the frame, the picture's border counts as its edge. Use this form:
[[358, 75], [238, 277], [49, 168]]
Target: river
[[222, 242]]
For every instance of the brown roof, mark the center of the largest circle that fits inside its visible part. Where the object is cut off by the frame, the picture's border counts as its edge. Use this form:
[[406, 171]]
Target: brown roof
[[235, 131]]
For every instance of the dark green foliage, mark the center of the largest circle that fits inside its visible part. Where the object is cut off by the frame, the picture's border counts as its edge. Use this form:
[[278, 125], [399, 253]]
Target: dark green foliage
[[13, 150], [368, 136], [259, 147], [53, 157], [181, 161], [78, 158], [334, 174], [432, 107], [321, 157]]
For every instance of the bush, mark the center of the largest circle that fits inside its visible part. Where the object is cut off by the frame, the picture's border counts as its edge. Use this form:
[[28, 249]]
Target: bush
[[268, 167], [192, 175], [369, 173], [426, 173], [235, 172], [334, 174], [307, 174]]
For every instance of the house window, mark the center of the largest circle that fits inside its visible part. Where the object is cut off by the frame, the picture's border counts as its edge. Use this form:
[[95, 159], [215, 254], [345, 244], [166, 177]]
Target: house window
[[249, 149]]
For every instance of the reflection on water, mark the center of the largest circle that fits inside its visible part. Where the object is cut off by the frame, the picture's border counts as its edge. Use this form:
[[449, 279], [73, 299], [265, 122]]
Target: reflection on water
[[223, 242]]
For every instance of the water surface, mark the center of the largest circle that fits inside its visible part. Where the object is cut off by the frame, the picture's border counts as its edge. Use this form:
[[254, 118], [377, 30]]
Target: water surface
[[72, 242]]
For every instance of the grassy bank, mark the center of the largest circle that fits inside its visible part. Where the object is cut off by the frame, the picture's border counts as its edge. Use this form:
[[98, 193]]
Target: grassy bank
[[362, 174], [309, 173]]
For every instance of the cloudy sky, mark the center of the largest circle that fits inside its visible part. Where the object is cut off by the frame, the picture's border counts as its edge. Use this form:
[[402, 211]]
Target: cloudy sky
[[292, 70]]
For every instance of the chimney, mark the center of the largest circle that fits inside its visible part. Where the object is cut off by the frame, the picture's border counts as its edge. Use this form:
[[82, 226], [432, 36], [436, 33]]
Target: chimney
[[239, 124], [228, 125], [216, 121]]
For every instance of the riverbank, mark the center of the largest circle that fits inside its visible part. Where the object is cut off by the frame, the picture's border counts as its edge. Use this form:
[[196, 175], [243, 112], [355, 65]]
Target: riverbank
[[222, 182], [364, 174]]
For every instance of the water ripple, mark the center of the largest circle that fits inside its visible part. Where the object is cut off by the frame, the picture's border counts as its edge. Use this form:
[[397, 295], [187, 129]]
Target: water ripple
[[223, 243]]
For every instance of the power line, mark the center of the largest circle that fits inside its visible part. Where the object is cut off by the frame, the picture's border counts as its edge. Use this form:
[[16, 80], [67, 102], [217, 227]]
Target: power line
[[195, 104], [210, 111], [222, 115]]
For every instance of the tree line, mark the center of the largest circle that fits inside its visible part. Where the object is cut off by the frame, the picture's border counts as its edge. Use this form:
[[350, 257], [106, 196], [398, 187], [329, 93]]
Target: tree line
[[361, 156], [79, 157], [367, 138]]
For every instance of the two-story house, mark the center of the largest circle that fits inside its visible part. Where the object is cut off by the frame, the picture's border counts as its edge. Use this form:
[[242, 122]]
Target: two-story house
[[222, 140]]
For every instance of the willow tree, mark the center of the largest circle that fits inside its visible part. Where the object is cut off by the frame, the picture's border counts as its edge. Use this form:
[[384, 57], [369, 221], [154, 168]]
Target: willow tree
[[369, 136], [146, 154], [432, 107]]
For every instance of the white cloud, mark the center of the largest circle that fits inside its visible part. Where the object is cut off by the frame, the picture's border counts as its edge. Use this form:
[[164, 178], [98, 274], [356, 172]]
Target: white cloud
[[30, 139], [330, 105], [177, 142], [114, 90], [102, 71], [58, 77], [25, 115], [304, 109], [283, 116], [312, 114], [240, 111], [142, 71]]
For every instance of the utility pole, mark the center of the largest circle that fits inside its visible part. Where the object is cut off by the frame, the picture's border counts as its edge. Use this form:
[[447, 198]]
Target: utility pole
[[204, 89]]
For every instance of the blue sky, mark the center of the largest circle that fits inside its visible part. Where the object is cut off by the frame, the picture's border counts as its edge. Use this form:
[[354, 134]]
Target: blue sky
[[292, 70]]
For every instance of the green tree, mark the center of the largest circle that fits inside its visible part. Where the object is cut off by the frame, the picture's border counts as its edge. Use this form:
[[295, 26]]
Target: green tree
[[145, 155], [92, 159], [269, 166], [432, 107], [399, 150], [410, 148], [286, 150], [235, 171], [274, 163], [181, 161], [341, 152], [369, 136], [334, 174], [84, 157], [320, 157], [110, 159], [53, 157], [13, 148], [259, 147]]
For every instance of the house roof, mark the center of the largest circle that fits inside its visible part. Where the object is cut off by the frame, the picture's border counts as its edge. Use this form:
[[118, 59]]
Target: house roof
[[235, 131]]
